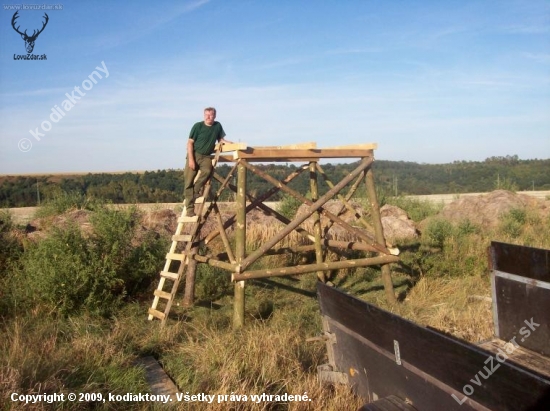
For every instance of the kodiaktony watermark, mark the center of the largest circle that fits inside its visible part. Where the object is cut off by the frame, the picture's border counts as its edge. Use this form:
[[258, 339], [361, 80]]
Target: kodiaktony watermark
[[57, 113], [501, 356]]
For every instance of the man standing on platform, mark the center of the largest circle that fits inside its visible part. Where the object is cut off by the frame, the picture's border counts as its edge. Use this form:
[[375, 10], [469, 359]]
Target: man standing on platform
[[201, 144]]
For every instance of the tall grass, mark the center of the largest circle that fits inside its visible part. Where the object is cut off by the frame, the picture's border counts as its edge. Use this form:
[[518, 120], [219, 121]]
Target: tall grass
[[79, 354]]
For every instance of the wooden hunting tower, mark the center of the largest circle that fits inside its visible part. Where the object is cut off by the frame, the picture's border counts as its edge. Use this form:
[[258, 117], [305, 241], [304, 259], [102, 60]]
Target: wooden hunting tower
[[366, 230]]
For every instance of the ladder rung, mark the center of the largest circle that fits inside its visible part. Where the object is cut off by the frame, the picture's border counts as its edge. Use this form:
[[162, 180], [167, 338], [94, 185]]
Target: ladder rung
[[185, 219], [163, 294], [168, 274], [157, 314], [182, 237], [175, 256]]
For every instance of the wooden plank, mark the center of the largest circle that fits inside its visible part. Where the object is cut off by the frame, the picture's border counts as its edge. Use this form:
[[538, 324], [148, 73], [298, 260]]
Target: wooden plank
[[366, 146], [162, 294], [525, 261], [159, 382], [182, 237], [156, 314], [521, 356], [168, 274], [232, 147], [430, 367], [231, 159], [185, 219], [302, 153], [175, 256], [286, 147]]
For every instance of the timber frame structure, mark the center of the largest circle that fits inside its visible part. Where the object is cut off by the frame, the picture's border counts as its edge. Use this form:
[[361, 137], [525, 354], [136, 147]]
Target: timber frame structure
[[366, 230]]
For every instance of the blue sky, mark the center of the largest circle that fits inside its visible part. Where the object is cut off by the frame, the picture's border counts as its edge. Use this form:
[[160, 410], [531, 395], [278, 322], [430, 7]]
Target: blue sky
[[429, 81]]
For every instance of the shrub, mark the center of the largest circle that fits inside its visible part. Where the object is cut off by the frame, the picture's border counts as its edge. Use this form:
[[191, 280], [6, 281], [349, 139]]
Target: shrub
[[506, 184], [288, 206], [68, 272], [61, 272], [64, 201], [416, 209], [436, 232], [212, 283], [512, 223], [466, 227]]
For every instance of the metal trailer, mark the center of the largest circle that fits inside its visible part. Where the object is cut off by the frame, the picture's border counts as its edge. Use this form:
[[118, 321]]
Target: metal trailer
[[396, 364]]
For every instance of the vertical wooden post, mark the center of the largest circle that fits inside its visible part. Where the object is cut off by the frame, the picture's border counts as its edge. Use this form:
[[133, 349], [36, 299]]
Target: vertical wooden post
[[321, 275], [189, 296], [379, 234], [240, 243]]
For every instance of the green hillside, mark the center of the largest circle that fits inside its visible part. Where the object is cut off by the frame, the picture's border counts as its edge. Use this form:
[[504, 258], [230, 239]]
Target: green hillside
[[392, 177]]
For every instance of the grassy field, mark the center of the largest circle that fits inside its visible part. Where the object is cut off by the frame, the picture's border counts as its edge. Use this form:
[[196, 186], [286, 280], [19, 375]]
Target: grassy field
[[73, 310]]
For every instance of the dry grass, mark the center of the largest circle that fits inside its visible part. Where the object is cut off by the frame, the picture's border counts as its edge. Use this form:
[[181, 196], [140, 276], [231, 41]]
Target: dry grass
[[252, 362], [451, 305], [41, 355]]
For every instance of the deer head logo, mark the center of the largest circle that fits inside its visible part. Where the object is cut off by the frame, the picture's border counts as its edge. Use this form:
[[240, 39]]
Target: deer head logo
[[29, 40]]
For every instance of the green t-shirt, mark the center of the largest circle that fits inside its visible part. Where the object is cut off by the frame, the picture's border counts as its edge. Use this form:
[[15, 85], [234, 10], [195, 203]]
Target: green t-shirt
[[205, 137]]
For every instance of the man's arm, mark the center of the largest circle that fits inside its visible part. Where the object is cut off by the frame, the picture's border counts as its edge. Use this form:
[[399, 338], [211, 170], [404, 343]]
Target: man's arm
[[224, 141], [191, 154]]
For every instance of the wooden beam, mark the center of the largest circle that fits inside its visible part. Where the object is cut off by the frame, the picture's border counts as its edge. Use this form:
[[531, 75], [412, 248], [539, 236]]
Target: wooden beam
[[232, 146], [214, 263], [231, 159], [310, 268], [287, 147], [367, 146], [274, 153]]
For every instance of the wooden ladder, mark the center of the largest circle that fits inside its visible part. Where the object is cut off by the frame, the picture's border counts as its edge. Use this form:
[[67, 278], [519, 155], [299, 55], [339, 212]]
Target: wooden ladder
[[187, 240]]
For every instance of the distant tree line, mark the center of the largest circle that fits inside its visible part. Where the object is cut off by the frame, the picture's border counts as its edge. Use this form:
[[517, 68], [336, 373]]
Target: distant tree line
[[391, 177]]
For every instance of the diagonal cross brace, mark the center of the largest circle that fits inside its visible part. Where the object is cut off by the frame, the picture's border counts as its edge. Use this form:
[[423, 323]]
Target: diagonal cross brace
[[335, 219], [365, 163]]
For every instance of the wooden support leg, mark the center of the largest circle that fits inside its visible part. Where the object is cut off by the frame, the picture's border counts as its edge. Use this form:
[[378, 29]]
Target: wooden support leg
[[189, 296], [240, 244], [379, 234], [321, 275]]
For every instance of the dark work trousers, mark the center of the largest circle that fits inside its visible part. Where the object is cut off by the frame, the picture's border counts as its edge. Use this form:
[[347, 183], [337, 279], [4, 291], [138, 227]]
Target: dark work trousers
[[193, 190]]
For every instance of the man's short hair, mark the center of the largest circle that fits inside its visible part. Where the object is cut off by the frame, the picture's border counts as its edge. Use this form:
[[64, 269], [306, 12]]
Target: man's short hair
[[210, 109]]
